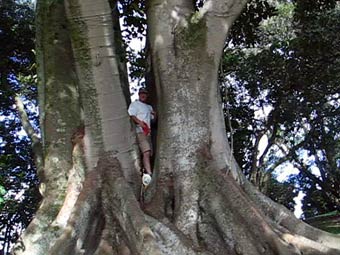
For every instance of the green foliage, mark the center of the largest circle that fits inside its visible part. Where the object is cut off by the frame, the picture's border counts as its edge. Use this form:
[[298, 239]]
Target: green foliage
[[18, 181], [329, 222], [133, 17], [286, 88], [2, 193], [244, 30], [282, 192], [306, 9]]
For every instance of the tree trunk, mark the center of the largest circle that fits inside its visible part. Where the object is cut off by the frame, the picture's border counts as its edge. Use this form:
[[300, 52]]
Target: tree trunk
[[198, 202]]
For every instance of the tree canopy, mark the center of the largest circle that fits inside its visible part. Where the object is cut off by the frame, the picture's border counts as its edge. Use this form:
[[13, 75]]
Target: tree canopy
[[295, 111], [19, 194]]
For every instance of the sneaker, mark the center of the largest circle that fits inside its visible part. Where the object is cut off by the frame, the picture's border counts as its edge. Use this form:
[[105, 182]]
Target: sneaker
[[146, 179]]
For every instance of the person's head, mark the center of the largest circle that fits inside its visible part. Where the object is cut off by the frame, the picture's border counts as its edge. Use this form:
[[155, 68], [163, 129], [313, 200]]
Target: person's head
[[143, 94]]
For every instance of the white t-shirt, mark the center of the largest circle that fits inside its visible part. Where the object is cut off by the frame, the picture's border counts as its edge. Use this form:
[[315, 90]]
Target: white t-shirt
[[142, 111]]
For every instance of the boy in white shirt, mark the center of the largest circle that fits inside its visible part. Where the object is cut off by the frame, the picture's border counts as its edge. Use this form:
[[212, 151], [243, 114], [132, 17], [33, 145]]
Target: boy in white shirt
[[142, 114]]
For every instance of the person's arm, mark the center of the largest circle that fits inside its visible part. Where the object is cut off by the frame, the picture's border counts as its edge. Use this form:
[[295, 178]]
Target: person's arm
[[154, 115], [132, 113], [138, 121]]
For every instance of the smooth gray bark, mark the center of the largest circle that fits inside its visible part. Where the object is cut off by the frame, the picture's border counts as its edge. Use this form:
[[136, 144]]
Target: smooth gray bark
[[60, 118], [107, 125]]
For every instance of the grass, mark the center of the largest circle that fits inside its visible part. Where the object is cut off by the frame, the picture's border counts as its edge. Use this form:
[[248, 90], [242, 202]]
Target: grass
[[329, 222]]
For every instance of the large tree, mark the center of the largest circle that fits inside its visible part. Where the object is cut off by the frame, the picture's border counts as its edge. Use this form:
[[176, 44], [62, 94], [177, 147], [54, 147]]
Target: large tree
[[198, 202]]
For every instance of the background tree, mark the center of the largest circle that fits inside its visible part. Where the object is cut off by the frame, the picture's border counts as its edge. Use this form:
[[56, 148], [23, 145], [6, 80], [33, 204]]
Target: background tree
[[19, 194], [318, 54], [295, 110]]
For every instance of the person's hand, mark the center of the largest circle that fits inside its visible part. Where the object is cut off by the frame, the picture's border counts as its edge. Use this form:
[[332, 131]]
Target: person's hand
[[142, 124], [145, 127]]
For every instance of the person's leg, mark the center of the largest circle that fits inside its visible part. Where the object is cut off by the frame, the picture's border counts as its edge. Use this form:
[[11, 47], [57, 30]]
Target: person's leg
[[146, 149], [146, 161]]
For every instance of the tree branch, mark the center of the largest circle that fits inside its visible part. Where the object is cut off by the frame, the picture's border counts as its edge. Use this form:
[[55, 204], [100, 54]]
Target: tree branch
[[327, 189], [32, 134], [220, 14], [227, 9]]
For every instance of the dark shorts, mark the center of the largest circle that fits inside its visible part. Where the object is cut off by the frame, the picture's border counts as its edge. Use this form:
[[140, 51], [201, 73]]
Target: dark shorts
[[144, 142]]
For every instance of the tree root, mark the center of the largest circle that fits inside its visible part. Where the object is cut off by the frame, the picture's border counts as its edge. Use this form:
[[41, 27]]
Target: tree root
[[246, 228], [171, 241], [121, 206], [286, 219], [107, 220], [84, 223]]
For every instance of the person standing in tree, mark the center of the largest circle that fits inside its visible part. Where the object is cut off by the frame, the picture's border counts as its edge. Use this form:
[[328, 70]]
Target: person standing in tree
[[142, 113]]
